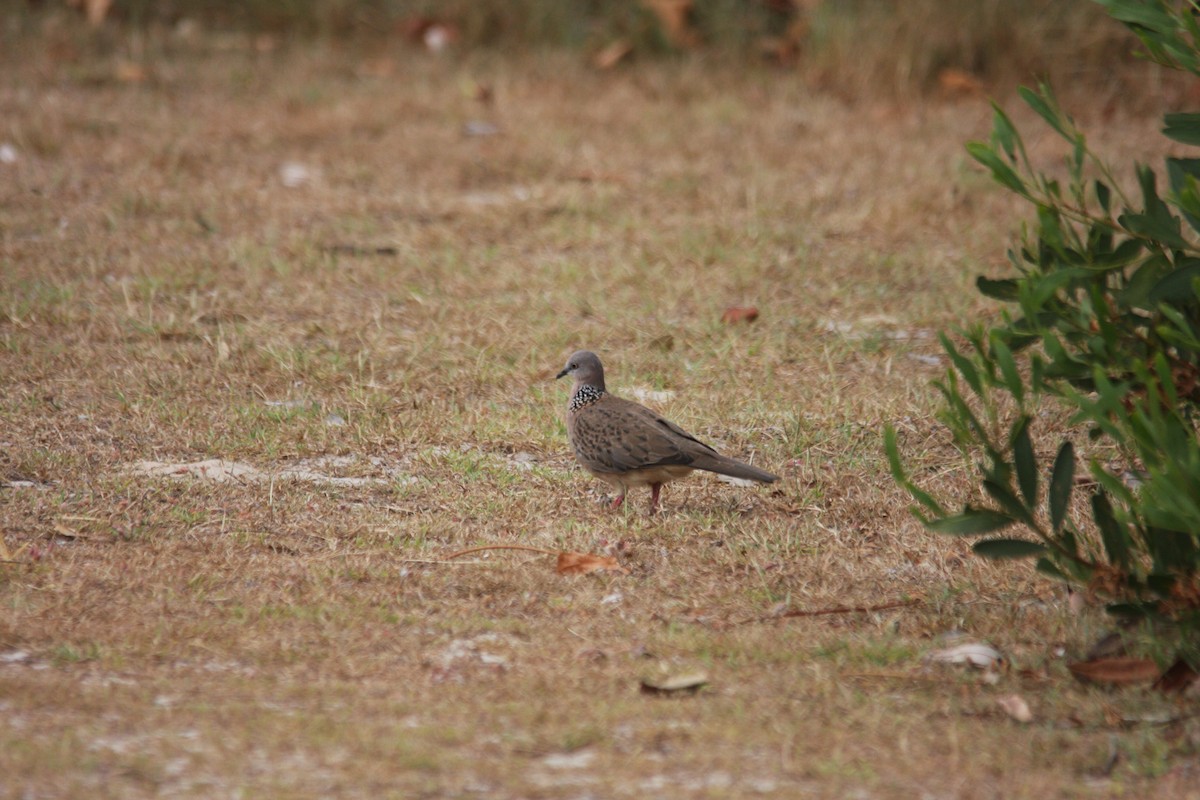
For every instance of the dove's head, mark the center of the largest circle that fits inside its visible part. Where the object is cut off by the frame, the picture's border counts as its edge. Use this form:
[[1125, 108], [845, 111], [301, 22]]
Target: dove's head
[[585, 368]]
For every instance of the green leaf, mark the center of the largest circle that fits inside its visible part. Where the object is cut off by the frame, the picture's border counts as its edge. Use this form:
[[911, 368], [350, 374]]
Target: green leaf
[[1099, 242], [1008, 548], [1004, 133], [962, 364], [1180, 169], [1044, 104], [1115, 538], [1183, 174], [1139, 13], [1187, 199], [1121, 256], [893, 454], [1008, 369], [1062, 481], [925, 499], [1025, 461], [1183, 128], [959, 415], [1169, 549], [971, 522], [1177, 286], [1047, 567], [1166, 388], [1143, 280], [1077, 155], [1001, 173], [1156, 222], [1004, 289], [1128, 610], [1050, 228], [1103, 196], [1047, 286], [1183, 333], [1008, 501], [892, 448]]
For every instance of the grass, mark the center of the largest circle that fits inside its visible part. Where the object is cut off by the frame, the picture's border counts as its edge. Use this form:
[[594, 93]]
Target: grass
[[164, 297]]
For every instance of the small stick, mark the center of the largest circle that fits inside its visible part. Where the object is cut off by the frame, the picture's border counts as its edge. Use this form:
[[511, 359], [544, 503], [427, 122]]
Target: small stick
[[448, 559], [825, 611], [362, 250], [371, 553], [525, 547]]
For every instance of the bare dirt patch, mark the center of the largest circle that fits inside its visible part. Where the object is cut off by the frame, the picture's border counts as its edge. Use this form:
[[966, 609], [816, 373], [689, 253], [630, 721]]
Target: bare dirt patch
[[279, 260]]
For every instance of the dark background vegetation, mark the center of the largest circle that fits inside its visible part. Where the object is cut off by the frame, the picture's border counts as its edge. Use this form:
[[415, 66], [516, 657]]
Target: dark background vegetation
[[853, 46]]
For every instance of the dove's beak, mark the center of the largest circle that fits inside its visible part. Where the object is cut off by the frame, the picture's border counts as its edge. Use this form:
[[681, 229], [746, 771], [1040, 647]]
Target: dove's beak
[[559, 375]]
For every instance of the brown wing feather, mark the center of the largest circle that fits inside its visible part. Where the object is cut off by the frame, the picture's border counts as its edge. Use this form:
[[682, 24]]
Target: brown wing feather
[[618, 435]]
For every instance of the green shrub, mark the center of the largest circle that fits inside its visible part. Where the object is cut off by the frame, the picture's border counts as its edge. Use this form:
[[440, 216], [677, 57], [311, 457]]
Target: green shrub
[[1102, 326]]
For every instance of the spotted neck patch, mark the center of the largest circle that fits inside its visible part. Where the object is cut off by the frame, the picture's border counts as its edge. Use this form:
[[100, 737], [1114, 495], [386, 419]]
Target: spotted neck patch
[[584, 396]]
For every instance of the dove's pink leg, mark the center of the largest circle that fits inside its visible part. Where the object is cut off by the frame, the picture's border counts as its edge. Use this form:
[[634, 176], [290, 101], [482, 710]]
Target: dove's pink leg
[[655, 488]]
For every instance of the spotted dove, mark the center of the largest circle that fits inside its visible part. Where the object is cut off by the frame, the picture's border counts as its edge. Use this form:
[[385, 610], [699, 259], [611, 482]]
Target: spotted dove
[[628, 445]]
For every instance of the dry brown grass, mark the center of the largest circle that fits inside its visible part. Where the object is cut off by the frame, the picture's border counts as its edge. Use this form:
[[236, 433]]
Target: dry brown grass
[[161, 292]]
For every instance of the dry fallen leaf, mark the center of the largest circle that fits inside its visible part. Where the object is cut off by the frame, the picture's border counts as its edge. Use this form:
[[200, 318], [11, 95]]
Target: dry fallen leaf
[[612, 54], [1178, 677], [735, 314], [1115, 671], [955, 82], [583, 563], [1015, 706], [683, 682]]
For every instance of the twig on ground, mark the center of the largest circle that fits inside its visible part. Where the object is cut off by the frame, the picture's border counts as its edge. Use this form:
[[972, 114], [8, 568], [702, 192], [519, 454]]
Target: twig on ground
[[361, 250], [526, 547], [359, 553], [820, 612]]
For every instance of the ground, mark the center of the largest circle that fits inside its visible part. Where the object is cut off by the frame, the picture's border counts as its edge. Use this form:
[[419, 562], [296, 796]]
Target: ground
[[346, 277]]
